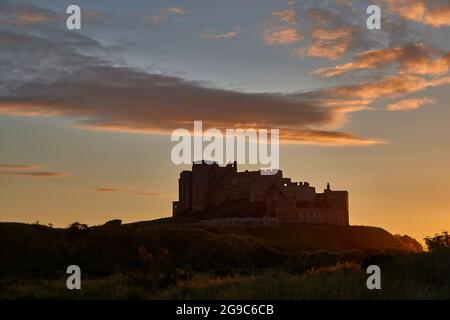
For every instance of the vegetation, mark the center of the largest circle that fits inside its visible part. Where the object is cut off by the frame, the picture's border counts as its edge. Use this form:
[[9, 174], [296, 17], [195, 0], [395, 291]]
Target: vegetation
[[412, 243], [438, 241], [167, 259]]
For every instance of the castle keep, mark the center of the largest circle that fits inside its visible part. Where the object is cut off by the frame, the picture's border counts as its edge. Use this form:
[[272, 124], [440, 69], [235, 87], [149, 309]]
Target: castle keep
[[210, 191]]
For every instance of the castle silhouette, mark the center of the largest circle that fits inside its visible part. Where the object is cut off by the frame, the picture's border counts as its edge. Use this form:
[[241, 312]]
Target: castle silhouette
[[210, 191]]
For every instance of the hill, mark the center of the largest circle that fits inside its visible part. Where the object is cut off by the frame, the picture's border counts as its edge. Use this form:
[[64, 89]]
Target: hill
[[114, 247], [308, 237], [328, 237]]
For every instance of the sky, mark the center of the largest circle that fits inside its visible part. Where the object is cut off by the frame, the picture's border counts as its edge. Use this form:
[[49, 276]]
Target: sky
[[86, 115]]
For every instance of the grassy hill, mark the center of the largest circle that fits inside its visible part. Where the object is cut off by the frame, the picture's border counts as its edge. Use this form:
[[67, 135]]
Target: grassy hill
[[173, 259], [328, 237], [110, 248], [308, 237]]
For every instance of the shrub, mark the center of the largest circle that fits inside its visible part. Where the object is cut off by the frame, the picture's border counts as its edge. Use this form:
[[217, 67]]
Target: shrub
[[438, 241]]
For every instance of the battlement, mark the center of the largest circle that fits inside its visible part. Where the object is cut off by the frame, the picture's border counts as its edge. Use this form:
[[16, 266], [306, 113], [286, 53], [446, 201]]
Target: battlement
[[210, 191]]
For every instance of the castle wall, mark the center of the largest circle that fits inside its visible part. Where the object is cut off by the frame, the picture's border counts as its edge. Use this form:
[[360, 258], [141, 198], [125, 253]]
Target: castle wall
[[210, 191], [313, 215]]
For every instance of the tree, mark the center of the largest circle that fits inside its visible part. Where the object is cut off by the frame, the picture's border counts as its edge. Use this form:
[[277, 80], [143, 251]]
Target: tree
[[438, 241], [77, 228], [412, 243]]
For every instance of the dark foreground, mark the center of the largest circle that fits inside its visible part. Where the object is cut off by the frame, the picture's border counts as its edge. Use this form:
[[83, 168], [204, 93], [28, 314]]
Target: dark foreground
[[168, 260]]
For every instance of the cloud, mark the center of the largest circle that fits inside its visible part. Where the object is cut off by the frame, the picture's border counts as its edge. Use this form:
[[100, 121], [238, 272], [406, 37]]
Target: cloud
[[22, 170], [175, 10], [392, 86], [432, 13], [332, 35], [128, 191], [367, 60], [19, 166], [163, 16], [215, 35], [93, 16], [419, 59], [331, 43], [282, 29], [415, 59], [409, 104], [289, 16], [23, 14], [280, 35], [35, 174], [326, 138], [60, 73]]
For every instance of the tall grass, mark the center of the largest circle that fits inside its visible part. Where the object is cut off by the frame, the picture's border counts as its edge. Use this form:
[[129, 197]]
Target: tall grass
[[413, 276]]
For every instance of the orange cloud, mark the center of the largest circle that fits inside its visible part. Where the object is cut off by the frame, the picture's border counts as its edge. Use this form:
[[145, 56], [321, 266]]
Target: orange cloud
[[414, 59], [158, 104], [19, 166], [35, 174], [23, 14], [21, 171], [32, 18], [421, 11], [326, 138], [281, 36], [122, 190], [426, 66], [409, 104], [330, 43], [388, 87], [282, 29], [289, 16], [367, 60]]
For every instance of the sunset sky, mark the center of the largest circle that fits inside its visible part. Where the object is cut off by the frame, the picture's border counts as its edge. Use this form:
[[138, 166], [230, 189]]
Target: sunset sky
[[86, 115]]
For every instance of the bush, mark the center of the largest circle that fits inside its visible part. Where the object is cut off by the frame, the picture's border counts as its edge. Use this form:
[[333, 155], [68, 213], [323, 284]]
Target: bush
[[438, 241]]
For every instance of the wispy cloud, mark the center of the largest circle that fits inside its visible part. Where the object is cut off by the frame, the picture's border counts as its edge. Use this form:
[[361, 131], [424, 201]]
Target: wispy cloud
[[35, 174], [331, 43], [389, 87], [163, 16], [128, 191], [282, 28], [289, 15], [409, 104], [280, 35], [19, 166], [216, 35], [332, 35], [28, 170], [88, 94], [367, 60], [83, 87], [412, 59], [432, 13], [23, 14], [175, 10]]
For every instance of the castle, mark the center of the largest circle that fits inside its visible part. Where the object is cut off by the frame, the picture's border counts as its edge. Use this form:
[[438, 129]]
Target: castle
[[210, 191]]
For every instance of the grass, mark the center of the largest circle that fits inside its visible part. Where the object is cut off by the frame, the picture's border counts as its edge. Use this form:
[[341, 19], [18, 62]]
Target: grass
[[415, 276], [188, 261]]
